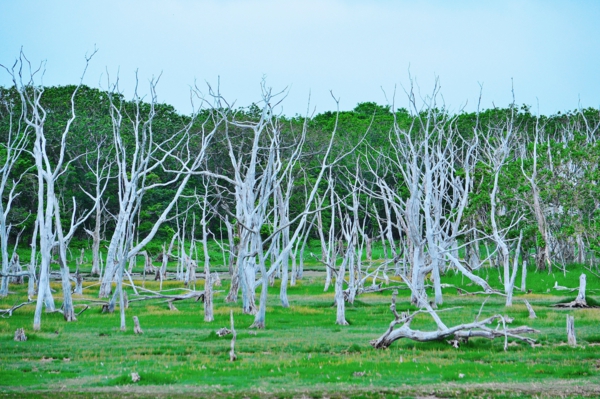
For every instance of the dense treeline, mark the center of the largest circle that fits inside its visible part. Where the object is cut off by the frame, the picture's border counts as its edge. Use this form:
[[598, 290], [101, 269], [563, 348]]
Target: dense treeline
[[567, 154], [438, 191]]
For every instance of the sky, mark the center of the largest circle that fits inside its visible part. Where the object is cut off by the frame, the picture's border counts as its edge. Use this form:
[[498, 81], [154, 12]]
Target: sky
[[547, 51]]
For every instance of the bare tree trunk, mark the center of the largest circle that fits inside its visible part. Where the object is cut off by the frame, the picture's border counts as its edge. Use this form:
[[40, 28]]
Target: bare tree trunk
[[133, 170], [32, 262], [208, 281], [96, 244], [339, 295], [232, 356], [524, 276], [543, 259], [571, 339], [580, 300], [511, 283]]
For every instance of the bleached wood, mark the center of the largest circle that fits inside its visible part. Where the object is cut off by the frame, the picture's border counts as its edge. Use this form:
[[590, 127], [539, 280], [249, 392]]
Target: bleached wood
[[232, 355], [20, 335], [462, 331], [136, 326], [571, 338], [532, 314]]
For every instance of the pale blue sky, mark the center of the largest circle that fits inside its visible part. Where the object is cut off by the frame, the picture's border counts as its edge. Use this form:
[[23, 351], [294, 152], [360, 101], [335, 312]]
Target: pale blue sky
[[551, 49]]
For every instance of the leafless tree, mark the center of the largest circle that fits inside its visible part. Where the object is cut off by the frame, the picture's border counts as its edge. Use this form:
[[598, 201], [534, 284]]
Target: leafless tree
[[48, 218], [136, 163], [14, 144]]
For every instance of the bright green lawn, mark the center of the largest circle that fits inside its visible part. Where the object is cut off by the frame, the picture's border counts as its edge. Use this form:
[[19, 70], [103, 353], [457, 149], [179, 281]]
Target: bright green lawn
[[302, 351]]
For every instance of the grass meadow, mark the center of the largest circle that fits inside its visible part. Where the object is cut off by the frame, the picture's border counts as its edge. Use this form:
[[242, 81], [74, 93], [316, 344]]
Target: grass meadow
[[301, 353]]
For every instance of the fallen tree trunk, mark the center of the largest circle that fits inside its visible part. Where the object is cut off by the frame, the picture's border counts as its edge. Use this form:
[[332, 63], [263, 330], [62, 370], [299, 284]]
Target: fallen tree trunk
[[461, 332]]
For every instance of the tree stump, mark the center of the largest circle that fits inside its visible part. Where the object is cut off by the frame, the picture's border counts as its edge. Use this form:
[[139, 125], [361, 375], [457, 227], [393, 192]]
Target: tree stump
[[221, 332], [571, 339], [20, 335], [216, 279], [532, 314], [580, 301], [78, 283], [136, 325]]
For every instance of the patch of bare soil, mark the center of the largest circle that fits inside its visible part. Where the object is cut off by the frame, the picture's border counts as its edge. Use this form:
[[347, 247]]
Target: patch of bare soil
[[542, 389]]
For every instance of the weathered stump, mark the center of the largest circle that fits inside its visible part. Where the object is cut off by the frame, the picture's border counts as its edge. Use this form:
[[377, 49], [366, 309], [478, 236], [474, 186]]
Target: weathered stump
[[580, 301], [20, 335], [532, 314], [136, 325], [221, 332], [78, 283], [216, 279]]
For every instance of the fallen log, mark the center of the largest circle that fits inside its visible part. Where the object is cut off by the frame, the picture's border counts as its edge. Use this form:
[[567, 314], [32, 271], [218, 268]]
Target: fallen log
[[460, 332]]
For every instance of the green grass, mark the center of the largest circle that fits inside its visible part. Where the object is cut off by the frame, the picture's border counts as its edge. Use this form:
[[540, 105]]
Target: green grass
[[302, 351]]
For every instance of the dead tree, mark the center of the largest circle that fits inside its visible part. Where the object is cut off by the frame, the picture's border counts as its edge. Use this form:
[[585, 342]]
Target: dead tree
[[232, 355], [135, 165], [424, 155], [571, 339], [208, 278], [497, 148], [580, 301], [257, 173], [48, 171], [100, 167], [14, 142], [543, 259], [461, 332]]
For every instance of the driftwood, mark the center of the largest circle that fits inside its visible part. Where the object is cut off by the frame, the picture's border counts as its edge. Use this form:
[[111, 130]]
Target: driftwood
[[461, 332], [197, 295], [571, 339], [580, 301], [136, 326], [9, 312], [221, 332], [20, 335]]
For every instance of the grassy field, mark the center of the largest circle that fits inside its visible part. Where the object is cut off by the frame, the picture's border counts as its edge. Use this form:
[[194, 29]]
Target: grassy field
[[301, 353]]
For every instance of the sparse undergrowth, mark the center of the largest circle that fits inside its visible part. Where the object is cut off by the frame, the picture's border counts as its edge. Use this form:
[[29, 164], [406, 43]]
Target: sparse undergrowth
[[301, 352]]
